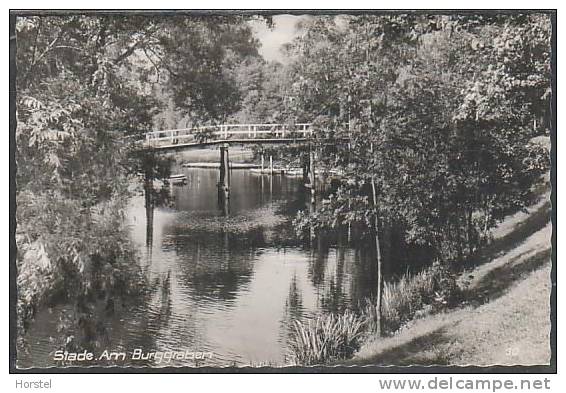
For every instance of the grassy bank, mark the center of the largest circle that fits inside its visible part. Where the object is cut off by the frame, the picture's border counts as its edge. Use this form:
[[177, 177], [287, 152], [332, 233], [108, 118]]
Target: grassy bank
[[495, 311], [504, 314]]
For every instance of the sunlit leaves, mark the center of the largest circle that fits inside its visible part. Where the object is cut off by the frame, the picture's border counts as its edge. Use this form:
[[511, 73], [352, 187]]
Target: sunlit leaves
[[65, 248], [74, 105], [438, 110]]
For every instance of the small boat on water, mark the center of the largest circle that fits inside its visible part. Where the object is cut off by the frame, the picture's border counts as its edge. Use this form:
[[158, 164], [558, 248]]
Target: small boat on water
[[158, 184], [216, 165], [180, 179], [267, 171], [294, 172]]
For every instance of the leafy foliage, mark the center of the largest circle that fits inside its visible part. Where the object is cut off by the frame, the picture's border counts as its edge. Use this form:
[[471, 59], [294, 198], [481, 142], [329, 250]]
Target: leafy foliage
[[88, 86], [438, 111], [432, 118], [73, 111]]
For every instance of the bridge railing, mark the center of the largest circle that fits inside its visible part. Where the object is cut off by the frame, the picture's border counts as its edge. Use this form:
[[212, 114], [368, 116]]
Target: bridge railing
[[227, 131]]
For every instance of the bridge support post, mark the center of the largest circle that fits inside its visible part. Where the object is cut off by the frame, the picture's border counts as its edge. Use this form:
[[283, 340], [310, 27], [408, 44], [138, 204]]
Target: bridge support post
[[305, 167], [312, 162], [262, 163], [149, 206], [224, 183], [271, 165]]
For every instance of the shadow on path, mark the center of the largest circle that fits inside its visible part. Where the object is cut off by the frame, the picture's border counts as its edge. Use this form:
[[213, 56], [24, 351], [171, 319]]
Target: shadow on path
[[436, 345], [497, 281], [534, 222], [424, 350]]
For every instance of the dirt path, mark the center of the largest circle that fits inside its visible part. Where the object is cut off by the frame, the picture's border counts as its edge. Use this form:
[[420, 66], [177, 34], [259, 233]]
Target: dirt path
[[505, 318]]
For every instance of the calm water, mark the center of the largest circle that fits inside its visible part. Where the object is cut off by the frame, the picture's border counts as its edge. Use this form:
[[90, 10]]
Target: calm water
[[225, 283]]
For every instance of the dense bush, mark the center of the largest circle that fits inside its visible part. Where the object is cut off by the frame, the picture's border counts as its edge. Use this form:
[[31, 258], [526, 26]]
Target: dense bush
[[72, 253]]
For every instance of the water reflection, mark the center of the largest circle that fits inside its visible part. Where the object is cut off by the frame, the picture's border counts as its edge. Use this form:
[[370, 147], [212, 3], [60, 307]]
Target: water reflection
[[229, 279]]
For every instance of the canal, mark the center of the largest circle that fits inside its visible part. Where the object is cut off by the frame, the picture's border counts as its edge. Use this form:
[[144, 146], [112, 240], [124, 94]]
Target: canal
[[227, 285]]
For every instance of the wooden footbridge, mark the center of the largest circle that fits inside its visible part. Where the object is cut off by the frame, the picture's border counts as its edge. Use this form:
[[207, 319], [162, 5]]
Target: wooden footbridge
[[199, 137], [225, 135]]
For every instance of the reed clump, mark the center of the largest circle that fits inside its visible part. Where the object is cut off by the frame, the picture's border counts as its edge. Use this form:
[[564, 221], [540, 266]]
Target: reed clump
[[333, 337], [326, 338], [401, 299], [412, 295]]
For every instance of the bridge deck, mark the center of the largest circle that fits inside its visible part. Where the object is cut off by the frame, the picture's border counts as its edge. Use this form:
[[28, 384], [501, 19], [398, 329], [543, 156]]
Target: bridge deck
[[224, 141], [227, 133]]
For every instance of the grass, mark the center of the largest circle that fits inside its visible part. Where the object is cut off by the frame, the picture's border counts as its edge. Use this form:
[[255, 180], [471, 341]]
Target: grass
[[501, 314], [403, 298], [326, 338], [332, 337], [411, 296], [495, 313], [503, 318]]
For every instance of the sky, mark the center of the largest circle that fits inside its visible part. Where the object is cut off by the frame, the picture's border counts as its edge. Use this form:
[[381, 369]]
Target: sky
[[271, 39]]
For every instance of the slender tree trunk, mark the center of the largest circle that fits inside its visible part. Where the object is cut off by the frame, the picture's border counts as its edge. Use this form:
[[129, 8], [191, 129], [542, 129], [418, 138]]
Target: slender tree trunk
[[470, 235], [459, 239], [379, 265], [486, 223], [148, 186]]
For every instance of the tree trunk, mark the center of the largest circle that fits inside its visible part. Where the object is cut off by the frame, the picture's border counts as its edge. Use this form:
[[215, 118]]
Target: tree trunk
[[312, 161], [149, 204], [485, 233], [379, 265], [470, 234]]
